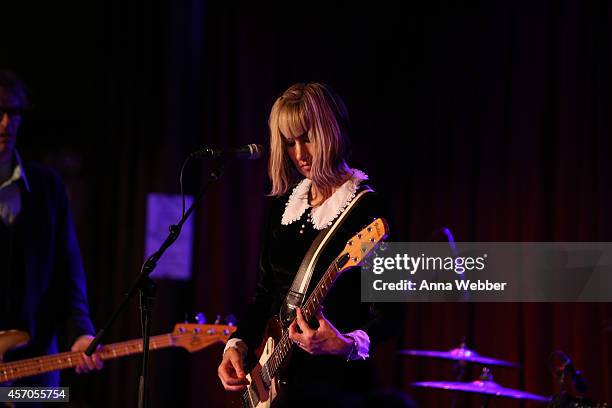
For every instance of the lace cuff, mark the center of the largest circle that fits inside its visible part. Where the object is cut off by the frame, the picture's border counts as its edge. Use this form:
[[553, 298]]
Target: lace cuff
[[240, 345], [361, 346]]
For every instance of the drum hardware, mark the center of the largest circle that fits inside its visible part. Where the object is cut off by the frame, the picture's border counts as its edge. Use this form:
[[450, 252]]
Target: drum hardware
[[484, 386], [461, 354], [561, 366]]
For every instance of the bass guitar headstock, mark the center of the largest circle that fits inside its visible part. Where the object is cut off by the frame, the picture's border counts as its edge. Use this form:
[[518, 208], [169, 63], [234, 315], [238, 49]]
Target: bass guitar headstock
[[196, 336]]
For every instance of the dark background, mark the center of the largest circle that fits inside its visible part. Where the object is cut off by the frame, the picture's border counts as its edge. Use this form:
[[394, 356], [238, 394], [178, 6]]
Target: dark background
[[490, 118]]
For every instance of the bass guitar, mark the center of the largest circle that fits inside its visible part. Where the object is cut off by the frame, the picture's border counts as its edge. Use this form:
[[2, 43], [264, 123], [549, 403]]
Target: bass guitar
[[191, 337]]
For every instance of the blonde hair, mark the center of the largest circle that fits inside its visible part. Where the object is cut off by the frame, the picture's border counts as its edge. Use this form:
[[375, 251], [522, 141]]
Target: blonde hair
[[312, 108]]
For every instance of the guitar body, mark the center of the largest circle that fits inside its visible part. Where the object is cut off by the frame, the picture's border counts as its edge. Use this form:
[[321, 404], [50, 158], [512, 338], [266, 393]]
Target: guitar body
[[266, 395], [262, 392], [12, 339]]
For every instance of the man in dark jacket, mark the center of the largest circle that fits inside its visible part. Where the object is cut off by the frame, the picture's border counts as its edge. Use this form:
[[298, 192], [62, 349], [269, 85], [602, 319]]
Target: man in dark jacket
[[42, 288]]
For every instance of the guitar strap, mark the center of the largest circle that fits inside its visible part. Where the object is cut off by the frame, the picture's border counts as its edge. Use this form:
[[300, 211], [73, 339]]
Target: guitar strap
[[298, 289]]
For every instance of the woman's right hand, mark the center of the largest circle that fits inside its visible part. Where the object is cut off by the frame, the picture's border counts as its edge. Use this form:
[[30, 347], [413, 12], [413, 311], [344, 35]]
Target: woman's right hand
[[231, 371]]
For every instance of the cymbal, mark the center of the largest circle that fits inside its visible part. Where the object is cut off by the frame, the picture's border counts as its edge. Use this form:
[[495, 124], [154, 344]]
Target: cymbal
[[460, 354], [483, 387]]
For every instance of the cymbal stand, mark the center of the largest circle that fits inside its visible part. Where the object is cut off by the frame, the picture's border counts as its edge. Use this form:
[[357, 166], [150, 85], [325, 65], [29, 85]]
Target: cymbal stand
[[458, 372], [559, 372], [486, 376]]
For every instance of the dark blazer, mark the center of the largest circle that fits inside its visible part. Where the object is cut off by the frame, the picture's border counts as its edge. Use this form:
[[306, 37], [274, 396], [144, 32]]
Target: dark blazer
[[53, 285]]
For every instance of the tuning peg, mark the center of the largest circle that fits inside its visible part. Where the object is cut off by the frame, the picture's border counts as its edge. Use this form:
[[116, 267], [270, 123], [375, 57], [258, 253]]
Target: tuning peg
[[230, 320], [382, 247], [218, 319], [198, 318]]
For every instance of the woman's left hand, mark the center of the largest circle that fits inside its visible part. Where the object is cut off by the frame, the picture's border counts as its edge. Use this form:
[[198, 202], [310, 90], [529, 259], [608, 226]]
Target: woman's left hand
[[324, 340]]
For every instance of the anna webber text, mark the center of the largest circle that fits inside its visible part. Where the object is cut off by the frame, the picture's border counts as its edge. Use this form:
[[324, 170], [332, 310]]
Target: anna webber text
[[424, 285]]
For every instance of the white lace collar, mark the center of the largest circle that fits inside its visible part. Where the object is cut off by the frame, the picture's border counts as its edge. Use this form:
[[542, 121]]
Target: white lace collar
[[323, 215]]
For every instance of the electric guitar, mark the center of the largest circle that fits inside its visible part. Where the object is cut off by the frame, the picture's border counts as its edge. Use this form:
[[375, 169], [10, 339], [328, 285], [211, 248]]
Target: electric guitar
[[264, 383], [191, 337]]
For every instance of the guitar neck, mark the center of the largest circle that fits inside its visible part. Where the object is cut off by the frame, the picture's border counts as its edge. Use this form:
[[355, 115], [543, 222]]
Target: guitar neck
[[308, 310], [320, 292], [38, 365]]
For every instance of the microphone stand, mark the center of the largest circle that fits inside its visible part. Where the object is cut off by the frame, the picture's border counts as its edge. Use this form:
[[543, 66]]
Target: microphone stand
[[146, 286]]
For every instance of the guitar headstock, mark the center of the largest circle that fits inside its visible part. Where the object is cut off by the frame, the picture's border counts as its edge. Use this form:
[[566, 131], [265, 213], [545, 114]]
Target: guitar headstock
[[194, 337], [364, 242]]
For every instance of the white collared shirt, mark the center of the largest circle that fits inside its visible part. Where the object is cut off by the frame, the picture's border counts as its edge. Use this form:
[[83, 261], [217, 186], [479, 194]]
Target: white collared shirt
[[10, 197]]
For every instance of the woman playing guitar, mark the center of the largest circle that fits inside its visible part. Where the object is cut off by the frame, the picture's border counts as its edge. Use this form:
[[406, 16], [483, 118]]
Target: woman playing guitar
[[312, 186]]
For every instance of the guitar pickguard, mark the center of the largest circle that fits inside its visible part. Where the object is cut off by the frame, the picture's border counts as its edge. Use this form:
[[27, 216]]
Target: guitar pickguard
[[261, 394], [262, 391]]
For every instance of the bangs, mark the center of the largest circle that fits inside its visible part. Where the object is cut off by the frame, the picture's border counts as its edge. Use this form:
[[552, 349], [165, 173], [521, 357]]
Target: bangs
[[293, 120]]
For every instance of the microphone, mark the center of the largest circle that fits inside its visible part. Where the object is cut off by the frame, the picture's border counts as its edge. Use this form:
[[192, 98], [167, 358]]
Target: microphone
[[577, 378], [249, 152]]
